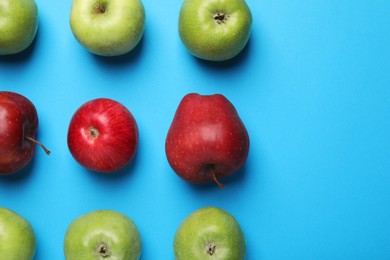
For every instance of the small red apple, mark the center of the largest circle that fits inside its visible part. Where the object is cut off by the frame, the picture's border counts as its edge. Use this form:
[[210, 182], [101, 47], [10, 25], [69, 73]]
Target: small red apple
[[103, 135], [18, 126], [206, 139]]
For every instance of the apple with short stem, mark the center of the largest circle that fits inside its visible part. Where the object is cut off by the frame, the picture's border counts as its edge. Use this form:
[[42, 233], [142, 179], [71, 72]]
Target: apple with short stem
[[108, 27], [207, 139], [215, 30], [18, 25], [102, 234], [103, 135], [209, 233], [17, 237], [18, 127]]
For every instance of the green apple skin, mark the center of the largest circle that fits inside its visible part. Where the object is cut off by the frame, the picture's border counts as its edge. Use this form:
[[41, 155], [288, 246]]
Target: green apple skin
[[102, 234], [108, 27], [17, 237], [215, 30], [18, 25], [209, 233]]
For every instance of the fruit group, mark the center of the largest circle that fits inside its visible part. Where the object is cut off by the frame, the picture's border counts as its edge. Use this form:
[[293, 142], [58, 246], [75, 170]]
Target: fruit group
[[215, 30], [108, 27], [17, 238], [102, 234], [18, 25], [103, 135], [209, 233], [206, 139], [18, 126]]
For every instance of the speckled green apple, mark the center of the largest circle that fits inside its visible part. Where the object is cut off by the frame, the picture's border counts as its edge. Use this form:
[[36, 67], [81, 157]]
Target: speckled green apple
[[102, 234], [209, 233], [108, 27], [215, 30], [18, 25], [17, 238]]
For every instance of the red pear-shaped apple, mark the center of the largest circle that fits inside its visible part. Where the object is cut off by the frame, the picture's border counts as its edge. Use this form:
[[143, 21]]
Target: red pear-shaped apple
[[206, 139], [103, 135], [18, 126]]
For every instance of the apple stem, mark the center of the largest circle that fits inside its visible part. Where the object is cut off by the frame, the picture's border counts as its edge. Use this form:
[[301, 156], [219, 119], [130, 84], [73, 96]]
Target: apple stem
[[38, 143], [217, 181]]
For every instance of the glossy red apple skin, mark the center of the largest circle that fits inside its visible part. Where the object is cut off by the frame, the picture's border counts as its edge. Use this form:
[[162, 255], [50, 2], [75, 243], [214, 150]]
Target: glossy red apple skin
[[18, 120], [206, 139], [103, 135]]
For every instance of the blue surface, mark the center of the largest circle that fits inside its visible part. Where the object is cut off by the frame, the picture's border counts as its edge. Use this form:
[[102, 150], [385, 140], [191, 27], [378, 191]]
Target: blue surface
[[312, 87]]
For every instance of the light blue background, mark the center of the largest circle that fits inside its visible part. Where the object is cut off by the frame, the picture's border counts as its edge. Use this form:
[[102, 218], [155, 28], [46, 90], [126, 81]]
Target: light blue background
[[312, 87]]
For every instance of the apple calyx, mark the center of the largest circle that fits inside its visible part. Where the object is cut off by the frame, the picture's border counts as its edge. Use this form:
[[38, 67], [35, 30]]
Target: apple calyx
[[221, 17], [102, 250], [211, 249], [93, 132], [38, 143], [100, 8]]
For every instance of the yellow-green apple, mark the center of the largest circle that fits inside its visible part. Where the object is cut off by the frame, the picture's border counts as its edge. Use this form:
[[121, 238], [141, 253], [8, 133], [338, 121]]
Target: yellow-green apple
[[102, 234], [17, 237], [215, 30], [18, 25], [108, 27], [206, 139], [103, 135], [18, 127], [209, 233]]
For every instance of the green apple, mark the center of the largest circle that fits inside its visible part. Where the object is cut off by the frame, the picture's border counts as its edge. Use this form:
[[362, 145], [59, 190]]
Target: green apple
[[17, 238], [102, 234], [209, 233], [215, 30], [18, 25], [108, 27]]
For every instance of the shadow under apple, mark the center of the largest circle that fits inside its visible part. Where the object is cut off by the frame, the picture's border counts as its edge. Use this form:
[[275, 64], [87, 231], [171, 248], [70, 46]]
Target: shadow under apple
[[234, 62], [238, 178], [23, 174], [126, 172], [23, 55], [126, 58]]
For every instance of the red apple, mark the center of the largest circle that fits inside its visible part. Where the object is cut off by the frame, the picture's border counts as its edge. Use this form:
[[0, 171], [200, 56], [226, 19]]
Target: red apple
[[18, 126], [206, 139], [103, 135]]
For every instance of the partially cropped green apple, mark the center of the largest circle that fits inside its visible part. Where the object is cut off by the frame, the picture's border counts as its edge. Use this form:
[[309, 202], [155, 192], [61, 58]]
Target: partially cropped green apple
[[108, 27], [18, 25], [209, 233], [17, 238], [215, 30], [102, 234]]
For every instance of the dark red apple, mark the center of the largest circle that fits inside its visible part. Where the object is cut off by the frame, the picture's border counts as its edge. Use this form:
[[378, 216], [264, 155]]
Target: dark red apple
[[206, 139], [18, 126], [103, 135]]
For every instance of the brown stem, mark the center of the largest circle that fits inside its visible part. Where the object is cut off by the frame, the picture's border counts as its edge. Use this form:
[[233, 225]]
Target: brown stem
[[38, 143], [217, 181]]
